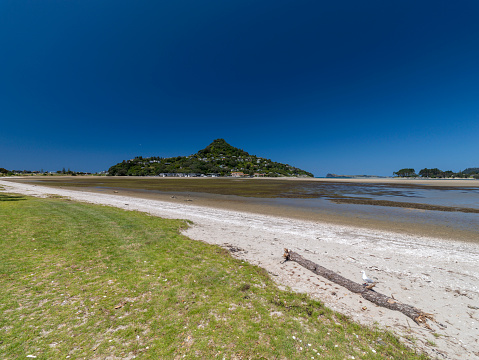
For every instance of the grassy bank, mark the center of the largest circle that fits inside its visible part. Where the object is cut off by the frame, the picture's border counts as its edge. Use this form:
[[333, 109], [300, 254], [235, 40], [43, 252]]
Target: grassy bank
[[84, 281]]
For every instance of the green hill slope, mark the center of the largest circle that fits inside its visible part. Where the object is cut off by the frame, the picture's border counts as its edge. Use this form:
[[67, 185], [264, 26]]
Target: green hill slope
[[471, 171], [219, 158]]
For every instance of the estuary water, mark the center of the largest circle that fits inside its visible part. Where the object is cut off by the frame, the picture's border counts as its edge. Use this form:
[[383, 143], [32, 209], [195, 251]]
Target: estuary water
[[454, 220], [324, 205], [467, 197], [452, 197], [434, 209]]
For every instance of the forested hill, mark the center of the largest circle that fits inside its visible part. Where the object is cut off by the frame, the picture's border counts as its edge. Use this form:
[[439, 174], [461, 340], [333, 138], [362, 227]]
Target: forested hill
[[218, 158]]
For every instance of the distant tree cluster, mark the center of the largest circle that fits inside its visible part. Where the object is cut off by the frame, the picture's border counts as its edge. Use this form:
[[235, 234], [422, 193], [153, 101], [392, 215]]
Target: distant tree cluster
[[73, 173], [437, 173], [67, 172], [405, 173], [5, 172], [218, 158]]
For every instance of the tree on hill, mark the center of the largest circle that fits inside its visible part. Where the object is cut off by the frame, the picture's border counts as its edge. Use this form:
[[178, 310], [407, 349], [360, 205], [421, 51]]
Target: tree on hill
[[431, 173], [471, 171], [220, 147], [405, 173]]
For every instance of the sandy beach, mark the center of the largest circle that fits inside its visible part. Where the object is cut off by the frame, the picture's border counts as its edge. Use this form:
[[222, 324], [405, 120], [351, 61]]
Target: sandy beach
[[435, 275]]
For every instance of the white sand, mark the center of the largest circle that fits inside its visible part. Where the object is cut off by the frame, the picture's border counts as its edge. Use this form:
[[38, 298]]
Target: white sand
[[437, 276]]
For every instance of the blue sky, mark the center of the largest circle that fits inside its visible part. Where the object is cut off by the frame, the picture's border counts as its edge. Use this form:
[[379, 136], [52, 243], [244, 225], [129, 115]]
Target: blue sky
[[347, 87]]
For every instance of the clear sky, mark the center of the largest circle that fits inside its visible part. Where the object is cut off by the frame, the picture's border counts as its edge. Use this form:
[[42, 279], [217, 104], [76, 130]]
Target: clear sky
[[346, 87]]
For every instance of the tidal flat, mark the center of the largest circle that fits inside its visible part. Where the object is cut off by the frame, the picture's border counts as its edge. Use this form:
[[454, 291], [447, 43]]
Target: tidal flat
[[441, 208]]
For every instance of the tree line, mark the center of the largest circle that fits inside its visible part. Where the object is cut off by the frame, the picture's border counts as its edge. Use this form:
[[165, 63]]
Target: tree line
[[436, 173], [5, 172]]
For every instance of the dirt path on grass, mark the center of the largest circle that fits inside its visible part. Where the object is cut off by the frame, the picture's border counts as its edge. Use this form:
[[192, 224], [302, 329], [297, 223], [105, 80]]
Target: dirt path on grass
[[437, 276]]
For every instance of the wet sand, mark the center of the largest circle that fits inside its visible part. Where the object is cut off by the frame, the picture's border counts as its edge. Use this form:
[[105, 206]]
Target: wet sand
[[437, 276]]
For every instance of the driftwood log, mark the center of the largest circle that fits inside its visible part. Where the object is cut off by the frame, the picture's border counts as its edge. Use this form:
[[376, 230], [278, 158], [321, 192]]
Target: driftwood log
[[366, 292]]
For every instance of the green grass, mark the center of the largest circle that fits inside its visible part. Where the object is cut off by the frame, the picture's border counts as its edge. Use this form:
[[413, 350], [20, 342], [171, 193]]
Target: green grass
[[91, 282]]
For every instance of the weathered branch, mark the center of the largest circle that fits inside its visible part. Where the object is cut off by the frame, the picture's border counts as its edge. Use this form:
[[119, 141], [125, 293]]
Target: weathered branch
[[366, 292]]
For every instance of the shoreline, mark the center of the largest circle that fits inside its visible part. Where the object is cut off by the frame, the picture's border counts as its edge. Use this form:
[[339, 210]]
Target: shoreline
[[253, 206], [413, 224], [456, 182], [250, 206], [437, 276]]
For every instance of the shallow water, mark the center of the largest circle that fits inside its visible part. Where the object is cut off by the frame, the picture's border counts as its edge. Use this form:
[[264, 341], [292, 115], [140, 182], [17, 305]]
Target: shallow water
[[323, 205], [447, 196], [461, 197], [454, 220]]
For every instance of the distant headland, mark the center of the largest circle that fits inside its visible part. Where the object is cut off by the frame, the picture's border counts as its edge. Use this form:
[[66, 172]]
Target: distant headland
[[218, 159]]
